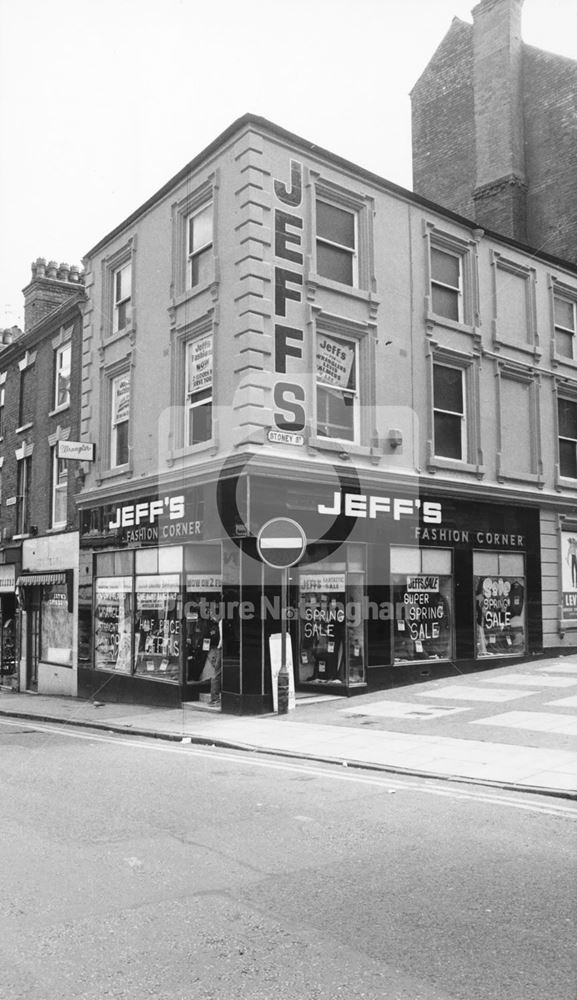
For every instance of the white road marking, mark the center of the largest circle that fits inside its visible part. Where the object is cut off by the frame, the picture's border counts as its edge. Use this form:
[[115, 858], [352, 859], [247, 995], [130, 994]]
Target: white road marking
[[381, 780]]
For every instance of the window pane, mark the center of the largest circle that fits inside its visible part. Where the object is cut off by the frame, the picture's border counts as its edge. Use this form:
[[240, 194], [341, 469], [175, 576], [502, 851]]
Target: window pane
[[445, 302], [567, 418], [446, 268], [335, 414], [405, 559], [436, 561], [121, 457], [56, 626], [200, 423], [335, 264], [335, 362], [564, 313], [335, 224], [200, 230], [448, 436], [568, 459], [564, 343], [448, 388]]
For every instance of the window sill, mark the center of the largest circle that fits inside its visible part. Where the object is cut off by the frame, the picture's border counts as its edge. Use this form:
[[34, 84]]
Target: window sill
[[24, 427], [559, 359], [522, 477], [566, 483], [437, 464], [353, 291], [111, 337], [119, 470], [512, 345], [432, 319], [189, 450], [340, 447], [18, 538], [59, 409], [191, 293]]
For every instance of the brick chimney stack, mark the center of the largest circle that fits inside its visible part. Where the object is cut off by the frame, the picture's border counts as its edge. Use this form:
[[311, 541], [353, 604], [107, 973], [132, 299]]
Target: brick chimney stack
[[500, 193], [50, 286]]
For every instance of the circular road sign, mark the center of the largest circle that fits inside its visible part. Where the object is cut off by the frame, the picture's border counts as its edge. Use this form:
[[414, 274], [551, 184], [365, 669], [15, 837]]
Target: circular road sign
[[281, 542]]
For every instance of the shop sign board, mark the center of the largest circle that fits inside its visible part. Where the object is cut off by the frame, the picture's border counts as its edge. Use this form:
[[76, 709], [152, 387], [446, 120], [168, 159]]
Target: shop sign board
[[81, 451], [281, 542], [286, 437], [200, 364], [569, 573]]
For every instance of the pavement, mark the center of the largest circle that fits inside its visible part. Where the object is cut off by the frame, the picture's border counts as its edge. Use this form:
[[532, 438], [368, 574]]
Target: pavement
[[513, 727]]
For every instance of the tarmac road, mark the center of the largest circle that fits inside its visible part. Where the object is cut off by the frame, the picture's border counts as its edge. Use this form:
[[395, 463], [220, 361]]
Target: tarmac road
[[137, 868]]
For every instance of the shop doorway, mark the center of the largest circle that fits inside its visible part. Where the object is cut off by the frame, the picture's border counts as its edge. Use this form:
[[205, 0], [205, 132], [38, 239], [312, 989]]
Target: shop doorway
[[33, 640]]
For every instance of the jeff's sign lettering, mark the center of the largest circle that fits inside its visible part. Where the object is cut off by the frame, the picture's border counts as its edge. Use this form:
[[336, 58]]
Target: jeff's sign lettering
[[154, 520], [289, 397]]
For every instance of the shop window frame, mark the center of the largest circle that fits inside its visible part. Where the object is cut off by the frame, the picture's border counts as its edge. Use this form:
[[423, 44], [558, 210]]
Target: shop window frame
[[466, 252], [563, 392], [363, 335], [183, 211], [565, 292], [112, 266], [57, 487], [24, 471], [26, 405], [421, 549], [182, 338], [361, 207], [468, 364]]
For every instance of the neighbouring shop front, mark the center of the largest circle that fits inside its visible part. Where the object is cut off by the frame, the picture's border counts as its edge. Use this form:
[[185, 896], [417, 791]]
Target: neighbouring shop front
[[48, 617], [8, 620]]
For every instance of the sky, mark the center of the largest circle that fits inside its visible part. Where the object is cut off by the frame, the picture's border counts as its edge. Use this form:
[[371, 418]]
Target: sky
[[102, 101]]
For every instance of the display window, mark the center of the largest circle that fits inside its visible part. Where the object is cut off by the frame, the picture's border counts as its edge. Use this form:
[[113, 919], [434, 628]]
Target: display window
[[56, 624], [113, 619], [422, 590], [157, 626], [499, 583], [203, 613], [331, 634]]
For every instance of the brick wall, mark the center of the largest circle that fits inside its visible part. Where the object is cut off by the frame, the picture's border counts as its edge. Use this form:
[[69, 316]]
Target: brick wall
[[550, 101], [443, 124]]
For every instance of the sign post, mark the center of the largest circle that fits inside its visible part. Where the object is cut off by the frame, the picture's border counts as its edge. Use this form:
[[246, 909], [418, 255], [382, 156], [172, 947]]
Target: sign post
[[281, 543]]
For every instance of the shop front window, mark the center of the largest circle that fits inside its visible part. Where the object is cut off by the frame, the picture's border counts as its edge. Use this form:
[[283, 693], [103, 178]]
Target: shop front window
[[323, 628], [499, 581], [422, 589], [113, 624], [55, 626], [157, 626]]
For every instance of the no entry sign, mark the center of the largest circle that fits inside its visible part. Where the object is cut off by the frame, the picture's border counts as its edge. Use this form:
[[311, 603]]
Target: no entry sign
[[281, 542]]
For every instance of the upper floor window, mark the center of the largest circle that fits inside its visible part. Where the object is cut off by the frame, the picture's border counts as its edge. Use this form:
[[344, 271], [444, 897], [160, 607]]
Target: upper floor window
[[198, 242], [565, 326], [23, 493], [122, 297], [337, 384], [62, 357], [449, 416], [2, 410], [567, 417], [447, 284], [119, 419], [59, 491], [27, 396], [337, 240], [198, 403]]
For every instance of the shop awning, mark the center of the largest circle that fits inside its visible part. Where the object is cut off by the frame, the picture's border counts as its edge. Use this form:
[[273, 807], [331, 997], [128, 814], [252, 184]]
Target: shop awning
[[40, 579]]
